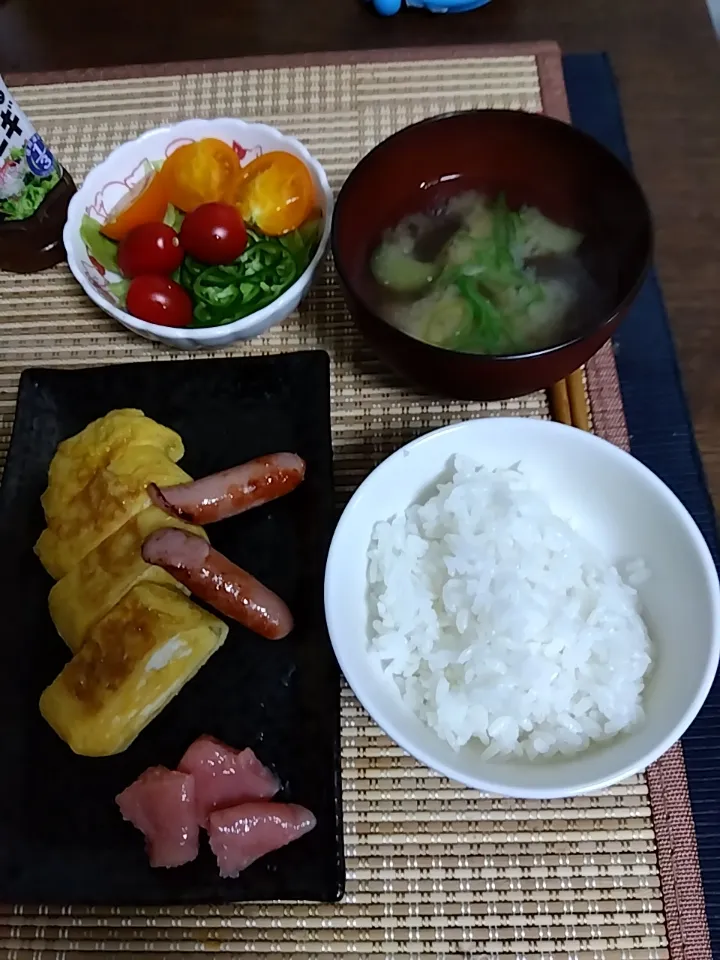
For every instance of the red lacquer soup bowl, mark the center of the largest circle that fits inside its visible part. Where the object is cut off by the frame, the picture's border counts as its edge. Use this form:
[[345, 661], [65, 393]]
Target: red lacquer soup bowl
[[533, 160]]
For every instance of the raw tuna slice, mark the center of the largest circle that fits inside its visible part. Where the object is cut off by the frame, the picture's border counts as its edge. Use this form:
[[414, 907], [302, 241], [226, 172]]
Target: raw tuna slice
[[241, 835], [225, 777], [161, 803]]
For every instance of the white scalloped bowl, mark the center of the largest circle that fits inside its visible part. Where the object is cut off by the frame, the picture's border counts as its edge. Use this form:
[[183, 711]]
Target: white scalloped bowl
[[106, 183]]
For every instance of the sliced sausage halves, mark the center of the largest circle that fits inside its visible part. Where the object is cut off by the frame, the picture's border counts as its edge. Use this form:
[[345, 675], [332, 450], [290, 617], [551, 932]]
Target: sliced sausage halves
[[211, 577], [233, 491]]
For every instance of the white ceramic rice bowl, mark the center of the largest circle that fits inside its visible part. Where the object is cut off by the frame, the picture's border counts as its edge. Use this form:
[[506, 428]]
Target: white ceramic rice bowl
[[619, 506], [106, 183]]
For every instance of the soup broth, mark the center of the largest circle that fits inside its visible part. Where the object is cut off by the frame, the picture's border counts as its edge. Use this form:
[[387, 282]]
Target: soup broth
[[477, 277]]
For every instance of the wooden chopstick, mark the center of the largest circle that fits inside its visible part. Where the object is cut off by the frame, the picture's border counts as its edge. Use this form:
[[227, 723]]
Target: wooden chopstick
[[560, 403], [578, 400], [568, 401]]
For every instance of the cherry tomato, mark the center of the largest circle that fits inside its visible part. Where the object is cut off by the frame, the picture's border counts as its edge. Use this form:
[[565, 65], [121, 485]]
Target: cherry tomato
[[159, 300], [276, 193], [214, 233], [149, 248], [206, 171], [144, 203]]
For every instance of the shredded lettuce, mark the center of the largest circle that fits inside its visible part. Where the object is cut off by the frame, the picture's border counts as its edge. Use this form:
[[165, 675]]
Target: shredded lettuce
[[174, 218], [119, 289], [99, 247], [302, 243]]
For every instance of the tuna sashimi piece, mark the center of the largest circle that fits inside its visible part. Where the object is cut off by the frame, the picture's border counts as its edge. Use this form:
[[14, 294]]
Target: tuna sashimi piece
[[241, 835], [161, 803], [225, 777]]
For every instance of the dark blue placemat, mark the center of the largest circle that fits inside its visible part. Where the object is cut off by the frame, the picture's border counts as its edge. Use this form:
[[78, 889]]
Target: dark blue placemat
[[661, 435]]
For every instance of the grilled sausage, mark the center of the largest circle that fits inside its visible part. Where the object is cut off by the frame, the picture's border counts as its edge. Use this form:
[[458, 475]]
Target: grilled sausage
[[233, 491], [211, 577]]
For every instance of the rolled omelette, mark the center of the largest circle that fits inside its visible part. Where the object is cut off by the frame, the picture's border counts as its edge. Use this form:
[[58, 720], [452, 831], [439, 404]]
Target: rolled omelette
[[102, 578], [114, 494], [79, 457], [132, 663]]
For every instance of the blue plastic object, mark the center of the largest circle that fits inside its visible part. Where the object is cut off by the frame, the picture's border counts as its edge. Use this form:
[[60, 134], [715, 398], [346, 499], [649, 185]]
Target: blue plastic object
[[389, 7]]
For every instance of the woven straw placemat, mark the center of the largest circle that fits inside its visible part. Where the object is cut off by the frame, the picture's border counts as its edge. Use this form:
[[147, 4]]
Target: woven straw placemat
[[433, 869]]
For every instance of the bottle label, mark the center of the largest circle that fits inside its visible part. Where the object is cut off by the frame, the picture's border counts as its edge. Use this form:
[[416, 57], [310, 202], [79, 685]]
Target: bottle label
[[28, 170]]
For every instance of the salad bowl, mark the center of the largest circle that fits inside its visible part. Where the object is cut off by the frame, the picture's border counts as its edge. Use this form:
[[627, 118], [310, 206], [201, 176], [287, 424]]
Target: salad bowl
[[92, 256]]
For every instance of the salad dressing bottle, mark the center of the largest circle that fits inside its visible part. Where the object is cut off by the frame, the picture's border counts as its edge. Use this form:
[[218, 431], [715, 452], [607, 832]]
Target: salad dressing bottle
[[34, 194]]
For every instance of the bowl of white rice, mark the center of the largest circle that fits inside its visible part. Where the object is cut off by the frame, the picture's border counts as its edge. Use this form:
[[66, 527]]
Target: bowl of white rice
[[523, 607]]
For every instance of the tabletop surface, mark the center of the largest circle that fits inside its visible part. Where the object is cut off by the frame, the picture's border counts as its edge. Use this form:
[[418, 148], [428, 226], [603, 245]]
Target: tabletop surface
[[664, 54]]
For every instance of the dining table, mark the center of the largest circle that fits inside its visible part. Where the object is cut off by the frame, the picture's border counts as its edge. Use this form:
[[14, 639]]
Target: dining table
[[609, 875], [665, 56]]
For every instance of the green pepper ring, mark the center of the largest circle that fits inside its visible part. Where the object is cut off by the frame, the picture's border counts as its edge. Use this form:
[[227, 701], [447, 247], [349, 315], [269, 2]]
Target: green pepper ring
[[223, 294]]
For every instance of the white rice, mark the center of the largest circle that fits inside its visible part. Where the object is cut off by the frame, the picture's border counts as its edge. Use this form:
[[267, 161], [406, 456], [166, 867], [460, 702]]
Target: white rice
[[496, 620]]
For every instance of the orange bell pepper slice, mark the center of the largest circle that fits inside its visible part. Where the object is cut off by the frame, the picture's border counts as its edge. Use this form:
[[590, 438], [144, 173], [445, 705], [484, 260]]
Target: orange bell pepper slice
[[276, 193], [146, 202], [206, 171]]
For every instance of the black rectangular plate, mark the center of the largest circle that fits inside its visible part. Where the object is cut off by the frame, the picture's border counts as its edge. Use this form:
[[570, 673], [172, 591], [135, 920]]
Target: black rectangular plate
[[62, 839]]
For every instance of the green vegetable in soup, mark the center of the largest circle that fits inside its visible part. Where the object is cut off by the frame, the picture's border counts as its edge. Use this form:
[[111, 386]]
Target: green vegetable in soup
[[504, 227], [398, 270], [487, 332], [481, 293], [538, 236], [448, 321]]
